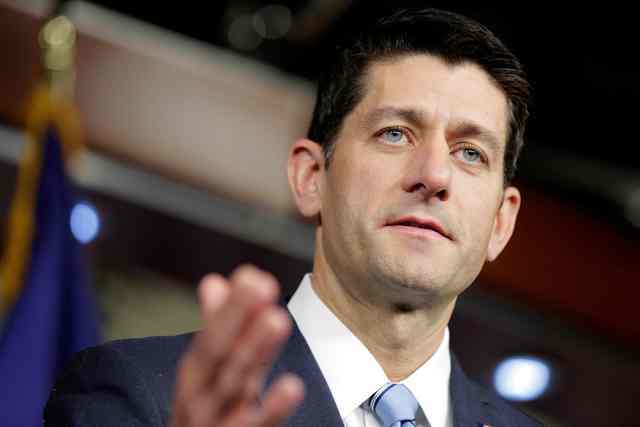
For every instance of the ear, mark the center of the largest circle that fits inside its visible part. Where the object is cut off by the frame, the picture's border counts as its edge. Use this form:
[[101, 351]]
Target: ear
[[504, 223], [305, 167]]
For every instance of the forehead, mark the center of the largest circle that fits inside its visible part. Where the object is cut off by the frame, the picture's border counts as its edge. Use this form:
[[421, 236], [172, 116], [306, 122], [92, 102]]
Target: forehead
[[446, 94]]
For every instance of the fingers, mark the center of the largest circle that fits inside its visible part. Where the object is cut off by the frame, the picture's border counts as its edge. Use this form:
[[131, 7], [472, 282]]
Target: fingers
[[281, 399], [221, 375], [225, 319], [213, 293], [241, 375]]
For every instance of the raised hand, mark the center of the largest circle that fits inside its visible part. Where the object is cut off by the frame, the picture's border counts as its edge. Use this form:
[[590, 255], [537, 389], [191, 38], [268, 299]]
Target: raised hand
[[220, 377]]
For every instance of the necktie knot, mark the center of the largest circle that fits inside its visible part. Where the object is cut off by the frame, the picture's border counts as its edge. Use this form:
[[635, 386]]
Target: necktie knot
[[394, 405]]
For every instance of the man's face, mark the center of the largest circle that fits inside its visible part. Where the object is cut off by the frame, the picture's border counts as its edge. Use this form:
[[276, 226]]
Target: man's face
[[413, 196]]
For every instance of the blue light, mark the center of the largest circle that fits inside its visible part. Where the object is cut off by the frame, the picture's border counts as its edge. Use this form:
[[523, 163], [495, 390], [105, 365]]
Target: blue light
[[84, 222], [522, 378]]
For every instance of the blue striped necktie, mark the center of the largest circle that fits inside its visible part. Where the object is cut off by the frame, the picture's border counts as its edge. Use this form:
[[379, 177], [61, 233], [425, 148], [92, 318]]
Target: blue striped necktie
[[394, 406]]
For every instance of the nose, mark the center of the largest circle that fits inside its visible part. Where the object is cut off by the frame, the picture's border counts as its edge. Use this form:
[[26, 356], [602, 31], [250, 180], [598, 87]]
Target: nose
[[429, 169]]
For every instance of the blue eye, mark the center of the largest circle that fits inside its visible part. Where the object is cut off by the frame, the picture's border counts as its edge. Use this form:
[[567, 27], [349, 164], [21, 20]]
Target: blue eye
[[471, 155], [393, 135]]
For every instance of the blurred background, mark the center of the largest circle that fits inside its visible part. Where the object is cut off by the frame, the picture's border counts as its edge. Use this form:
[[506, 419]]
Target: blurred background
[[188, 111]]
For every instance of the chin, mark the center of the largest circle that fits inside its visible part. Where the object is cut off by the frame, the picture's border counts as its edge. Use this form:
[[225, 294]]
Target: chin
[[420, 283]]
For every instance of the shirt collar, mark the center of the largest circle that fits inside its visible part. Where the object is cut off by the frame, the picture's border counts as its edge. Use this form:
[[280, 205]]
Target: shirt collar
[[351, 372], [430, 384]]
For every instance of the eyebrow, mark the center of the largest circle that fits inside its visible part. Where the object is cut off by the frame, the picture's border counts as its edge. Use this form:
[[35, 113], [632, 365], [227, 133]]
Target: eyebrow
[[411, 115], [417, 117], [467, 129]]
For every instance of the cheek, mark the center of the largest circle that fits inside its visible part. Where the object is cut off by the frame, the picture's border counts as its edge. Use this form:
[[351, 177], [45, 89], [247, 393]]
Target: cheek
[[478, 209], [359, 186], [345, 202]]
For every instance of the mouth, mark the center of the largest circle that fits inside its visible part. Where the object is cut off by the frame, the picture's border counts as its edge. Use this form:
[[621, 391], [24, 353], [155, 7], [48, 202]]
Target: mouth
[[420, 226]]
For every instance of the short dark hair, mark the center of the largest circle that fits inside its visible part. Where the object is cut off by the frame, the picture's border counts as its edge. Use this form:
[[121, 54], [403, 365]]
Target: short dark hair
[[451, 37]]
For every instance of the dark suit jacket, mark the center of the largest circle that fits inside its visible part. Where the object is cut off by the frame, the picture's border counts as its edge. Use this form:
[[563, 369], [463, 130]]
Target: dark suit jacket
[[130, 383]]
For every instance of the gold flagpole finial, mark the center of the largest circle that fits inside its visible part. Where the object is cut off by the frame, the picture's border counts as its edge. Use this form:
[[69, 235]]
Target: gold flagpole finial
[[58, 39]]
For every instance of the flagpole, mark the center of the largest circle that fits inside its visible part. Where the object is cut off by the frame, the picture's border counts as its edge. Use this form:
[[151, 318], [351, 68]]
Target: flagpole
[[46, 293], [51, 103]]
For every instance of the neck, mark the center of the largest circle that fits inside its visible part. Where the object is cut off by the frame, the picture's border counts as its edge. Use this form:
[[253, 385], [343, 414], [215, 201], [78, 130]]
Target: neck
[[400, 338]]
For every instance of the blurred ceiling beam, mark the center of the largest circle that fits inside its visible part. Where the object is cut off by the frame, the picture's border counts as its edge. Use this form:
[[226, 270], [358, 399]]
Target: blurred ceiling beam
[[201, 115]]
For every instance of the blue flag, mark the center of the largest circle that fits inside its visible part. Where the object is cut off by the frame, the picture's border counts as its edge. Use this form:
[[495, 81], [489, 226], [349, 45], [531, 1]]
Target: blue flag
[[54, 314]]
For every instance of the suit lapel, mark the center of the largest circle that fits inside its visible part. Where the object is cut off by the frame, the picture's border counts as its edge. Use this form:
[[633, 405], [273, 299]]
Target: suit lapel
[[318, 408], [471, 405]]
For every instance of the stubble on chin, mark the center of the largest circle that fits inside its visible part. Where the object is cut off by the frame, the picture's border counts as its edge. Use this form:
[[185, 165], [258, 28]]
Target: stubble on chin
[[404, 287]]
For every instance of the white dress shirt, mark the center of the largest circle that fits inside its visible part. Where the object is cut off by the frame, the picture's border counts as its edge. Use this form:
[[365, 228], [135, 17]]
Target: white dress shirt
[[353, 374]]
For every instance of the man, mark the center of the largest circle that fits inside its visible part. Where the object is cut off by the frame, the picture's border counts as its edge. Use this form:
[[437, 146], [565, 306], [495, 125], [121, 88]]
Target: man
[[413, 143]]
